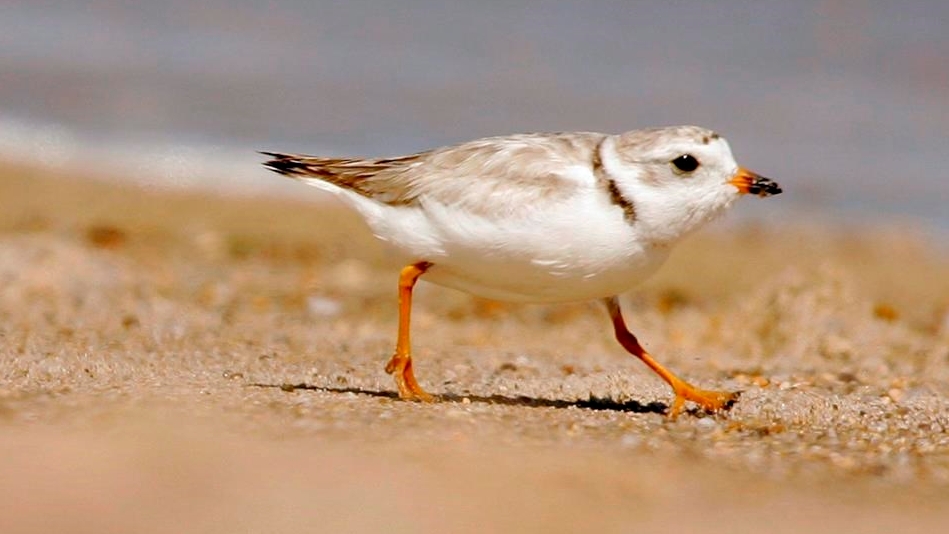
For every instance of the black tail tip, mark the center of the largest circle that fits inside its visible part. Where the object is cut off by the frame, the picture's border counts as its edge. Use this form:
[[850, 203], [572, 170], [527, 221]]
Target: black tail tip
[[282, 163]]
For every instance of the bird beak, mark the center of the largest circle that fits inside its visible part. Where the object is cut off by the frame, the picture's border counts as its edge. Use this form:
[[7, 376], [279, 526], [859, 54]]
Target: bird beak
[[749, 182]]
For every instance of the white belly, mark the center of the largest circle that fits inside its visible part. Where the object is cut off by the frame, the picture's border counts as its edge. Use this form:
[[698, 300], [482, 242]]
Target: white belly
[[525, 282], [567, 252]]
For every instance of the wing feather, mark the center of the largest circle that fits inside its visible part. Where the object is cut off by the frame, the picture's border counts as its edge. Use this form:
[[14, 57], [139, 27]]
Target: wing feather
[[512, 171]]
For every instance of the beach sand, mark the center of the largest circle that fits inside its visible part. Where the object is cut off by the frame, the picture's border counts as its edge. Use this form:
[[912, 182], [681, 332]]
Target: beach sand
[[184, 362]]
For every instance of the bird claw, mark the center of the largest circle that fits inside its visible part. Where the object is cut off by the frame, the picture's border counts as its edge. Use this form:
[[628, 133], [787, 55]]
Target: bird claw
[[709, 400], [400, 367]]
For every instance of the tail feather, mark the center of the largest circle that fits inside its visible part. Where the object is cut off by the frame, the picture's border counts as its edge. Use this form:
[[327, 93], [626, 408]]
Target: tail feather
[[288, 164], [331, 169], [379, 179]]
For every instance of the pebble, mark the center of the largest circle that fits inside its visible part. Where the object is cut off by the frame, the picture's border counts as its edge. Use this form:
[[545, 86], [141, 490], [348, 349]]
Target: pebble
[[323, 306], [706, 423], [895, 394]]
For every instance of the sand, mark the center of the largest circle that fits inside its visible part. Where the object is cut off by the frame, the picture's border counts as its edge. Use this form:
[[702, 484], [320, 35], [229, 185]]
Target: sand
[[178, 362]]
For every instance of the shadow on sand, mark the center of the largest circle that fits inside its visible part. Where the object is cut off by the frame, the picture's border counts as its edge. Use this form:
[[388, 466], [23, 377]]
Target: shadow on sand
[[593, 403]]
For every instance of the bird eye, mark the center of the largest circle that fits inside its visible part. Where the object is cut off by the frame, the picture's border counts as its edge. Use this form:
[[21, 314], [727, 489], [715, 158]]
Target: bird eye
[[686, 163]]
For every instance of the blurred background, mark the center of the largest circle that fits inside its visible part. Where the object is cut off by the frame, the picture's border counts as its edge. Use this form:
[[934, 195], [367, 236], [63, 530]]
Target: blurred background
[[846, 104]]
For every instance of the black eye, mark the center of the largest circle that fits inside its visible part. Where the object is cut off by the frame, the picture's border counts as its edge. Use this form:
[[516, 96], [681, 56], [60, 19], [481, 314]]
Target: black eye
[[686, 163]]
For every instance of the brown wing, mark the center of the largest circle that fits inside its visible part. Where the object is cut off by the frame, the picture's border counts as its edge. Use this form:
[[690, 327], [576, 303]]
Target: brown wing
[[512, 171]]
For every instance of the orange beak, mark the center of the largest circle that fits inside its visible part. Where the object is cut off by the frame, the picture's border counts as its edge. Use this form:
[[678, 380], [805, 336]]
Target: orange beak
[[749, 182]]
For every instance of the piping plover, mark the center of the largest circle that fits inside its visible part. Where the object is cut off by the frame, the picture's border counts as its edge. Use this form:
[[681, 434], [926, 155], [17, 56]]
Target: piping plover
[[548, 217]]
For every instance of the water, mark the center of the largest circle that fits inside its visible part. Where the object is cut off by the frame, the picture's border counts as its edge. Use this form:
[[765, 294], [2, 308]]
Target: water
[[845, 104]]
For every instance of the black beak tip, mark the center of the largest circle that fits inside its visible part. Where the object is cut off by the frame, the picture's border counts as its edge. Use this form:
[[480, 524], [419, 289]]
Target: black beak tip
[[764, 187]]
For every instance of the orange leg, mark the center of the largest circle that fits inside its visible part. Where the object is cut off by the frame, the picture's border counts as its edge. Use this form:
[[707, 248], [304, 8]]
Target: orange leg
[[712, 401], [400, 366]]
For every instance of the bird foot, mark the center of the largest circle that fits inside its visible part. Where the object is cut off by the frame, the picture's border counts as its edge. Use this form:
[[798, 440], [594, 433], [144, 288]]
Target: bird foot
[[400, 367], [709, 400]]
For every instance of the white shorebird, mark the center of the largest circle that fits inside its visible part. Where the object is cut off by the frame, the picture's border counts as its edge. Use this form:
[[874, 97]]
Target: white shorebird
[[551, 217]]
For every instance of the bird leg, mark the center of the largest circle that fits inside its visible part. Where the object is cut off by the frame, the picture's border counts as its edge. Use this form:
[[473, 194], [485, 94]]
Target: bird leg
[[400, 365], [713, 401]]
